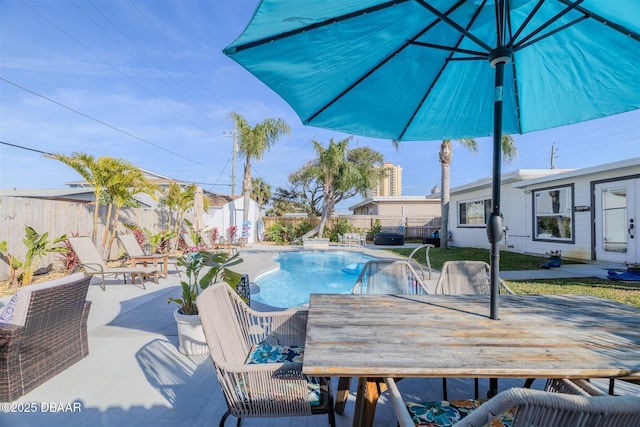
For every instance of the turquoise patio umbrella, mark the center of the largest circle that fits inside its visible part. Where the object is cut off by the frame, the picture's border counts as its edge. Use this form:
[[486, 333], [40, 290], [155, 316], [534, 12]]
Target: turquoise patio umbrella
[[447, 69]]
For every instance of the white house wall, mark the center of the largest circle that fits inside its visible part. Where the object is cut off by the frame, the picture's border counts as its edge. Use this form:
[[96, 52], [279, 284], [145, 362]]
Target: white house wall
[[517, 209], [476, 237]]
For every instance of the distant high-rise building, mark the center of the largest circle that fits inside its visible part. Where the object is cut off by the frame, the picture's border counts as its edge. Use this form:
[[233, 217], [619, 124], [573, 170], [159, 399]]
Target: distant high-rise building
[[391, 183]]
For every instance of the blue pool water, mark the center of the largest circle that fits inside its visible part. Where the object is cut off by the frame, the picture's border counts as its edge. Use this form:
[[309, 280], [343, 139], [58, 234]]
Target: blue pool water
[[304, 273]]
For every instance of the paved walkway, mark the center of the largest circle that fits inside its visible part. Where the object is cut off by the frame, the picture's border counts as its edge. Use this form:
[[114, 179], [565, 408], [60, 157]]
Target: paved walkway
[[134, 375]]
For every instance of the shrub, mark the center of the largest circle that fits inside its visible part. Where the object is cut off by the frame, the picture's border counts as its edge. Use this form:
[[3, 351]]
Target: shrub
[[280, 234], [340, 226]]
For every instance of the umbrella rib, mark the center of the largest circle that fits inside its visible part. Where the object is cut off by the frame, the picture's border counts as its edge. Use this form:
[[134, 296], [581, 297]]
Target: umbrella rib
[[379, 64], [541, 28], [313, 26], [526, 21], [449, 58], [522, 44], [455, 25], [605, 21], [478, 54]]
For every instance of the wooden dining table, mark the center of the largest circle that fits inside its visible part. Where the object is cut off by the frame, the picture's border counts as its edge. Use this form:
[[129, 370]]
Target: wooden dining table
[[537, 336]]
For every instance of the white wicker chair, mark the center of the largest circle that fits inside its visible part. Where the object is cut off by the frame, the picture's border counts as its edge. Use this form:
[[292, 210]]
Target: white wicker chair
[[466, 278], [233, 332], [394, 277], [567, 405]]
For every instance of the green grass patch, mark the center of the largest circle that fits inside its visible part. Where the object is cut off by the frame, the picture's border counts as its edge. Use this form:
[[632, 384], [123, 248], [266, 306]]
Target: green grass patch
[[626, 293], [508, 260]]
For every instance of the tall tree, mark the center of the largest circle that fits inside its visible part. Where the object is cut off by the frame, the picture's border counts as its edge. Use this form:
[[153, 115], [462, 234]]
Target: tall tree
[[96, 172], [126, 181], [509, 152], [343, 173], [253, 143], [178, 200], [260, 191]]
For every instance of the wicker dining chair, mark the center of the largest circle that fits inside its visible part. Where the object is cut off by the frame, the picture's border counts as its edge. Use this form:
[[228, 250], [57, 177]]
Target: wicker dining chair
[[519, 406], [258, 359], [384, 276], [466, 278]]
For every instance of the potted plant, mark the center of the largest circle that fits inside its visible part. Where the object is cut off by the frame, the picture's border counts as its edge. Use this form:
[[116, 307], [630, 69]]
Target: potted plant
[[190, 334]]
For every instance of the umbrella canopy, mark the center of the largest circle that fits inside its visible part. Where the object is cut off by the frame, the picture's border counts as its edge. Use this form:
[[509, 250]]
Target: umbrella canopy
[[447, 69]]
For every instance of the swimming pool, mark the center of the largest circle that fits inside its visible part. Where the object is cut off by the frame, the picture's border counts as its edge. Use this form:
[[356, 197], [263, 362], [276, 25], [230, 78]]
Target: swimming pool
[[304, 273]]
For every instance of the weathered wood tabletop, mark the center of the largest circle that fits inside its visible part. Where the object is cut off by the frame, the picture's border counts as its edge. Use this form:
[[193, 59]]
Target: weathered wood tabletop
[[376, 336]]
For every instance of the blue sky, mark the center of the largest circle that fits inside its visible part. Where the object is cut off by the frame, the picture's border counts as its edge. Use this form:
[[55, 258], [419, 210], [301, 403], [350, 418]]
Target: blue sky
[[147, 81]]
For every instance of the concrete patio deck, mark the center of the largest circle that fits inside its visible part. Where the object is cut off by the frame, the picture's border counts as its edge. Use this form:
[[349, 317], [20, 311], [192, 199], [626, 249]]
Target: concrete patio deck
[[134, 375]]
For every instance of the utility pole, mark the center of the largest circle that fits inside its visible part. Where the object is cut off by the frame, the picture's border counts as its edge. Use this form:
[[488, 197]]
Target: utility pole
[[553, 156], [233, 158]]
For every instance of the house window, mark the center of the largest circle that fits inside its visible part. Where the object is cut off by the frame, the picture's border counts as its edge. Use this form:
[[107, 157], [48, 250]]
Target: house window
[[474, 214], [553, 214]]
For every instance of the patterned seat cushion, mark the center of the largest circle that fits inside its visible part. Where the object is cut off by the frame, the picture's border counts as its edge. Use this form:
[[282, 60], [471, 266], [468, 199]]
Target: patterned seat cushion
[[269, 353], [448, 413]]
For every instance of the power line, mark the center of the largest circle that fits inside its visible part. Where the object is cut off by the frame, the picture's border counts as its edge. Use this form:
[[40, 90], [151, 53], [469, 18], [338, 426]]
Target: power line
[[46, 154], [129, 134]]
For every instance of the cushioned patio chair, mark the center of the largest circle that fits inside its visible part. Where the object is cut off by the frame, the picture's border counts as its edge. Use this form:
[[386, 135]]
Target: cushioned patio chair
[[520, 407], [466, 278], [258, 359], [43, 331], [93, 264], [134, 251]]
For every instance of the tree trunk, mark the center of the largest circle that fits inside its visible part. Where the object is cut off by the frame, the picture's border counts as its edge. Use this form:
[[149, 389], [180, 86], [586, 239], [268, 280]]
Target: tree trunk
[[246, 190], [105, 234], [445, 160], [327, 208]]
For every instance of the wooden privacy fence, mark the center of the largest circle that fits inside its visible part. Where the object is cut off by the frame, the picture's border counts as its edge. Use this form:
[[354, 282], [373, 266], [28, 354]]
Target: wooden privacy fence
[[62, 217], [414, 227]]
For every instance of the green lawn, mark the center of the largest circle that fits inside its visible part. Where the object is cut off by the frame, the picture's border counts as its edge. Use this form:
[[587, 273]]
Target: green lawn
[[626, 293]]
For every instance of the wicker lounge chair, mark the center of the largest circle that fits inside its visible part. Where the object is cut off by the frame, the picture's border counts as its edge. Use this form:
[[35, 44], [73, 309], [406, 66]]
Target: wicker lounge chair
[[520, 406], [93, 264], [258, 359], [137, 256], [466, 278], [43, 331]]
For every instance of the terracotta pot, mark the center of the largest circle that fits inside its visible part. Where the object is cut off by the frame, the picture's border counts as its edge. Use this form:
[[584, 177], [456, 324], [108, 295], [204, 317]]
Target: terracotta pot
[[191, 340]]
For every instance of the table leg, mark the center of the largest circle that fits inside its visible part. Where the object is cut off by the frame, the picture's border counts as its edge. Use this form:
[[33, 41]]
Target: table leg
[[369, 390], [344, 384]]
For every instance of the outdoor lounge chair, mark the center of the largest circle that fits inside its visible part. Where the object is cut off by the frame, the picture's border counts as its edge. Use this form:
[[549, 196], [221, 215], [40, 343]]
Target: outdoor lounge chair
[[92, 262], [466, 278], [136, 253], [565, 406], [43, 331], [258, 358]]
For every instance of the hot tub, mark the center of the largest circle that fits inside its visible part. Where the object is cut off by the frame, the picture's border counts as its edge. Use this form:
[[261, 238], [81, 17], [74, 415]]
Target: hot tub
[[388, 239]]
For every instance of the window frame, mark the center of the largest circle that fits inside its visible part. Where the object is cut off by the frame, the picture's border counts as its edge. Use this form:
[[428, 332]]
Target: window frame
[[486, 210], [534, 215]]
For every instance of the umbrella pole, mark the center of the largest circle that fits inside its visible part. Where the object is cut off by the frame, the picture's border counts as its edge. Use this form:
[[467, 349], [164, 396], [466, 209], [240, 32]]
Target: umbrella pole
[[494, 224]]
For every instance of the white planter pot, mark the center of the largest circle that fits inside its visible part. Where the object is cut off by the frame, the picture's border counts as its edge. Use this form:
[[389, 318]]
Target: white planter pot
[[191, 340]]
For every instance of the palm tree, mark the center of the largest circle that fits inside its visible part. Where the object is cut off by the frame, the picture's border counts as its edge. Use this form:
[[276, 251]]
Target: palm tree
[[509, 152], [96, 172], [178, 199], [253, 143], [260, 191], [127, 181], [339, 172]]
